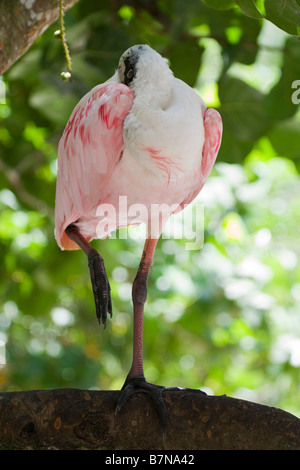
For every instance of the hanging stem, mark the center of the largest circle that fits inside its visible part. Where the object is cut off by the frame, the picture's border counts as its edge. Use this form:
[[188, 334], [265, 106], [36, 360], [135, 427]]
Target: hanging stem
[[63, 39]]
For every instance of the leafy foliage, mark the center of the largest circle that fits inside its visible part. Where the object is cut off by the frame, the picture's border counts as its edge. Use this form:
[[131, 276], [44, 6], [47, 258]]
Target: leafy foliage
[[284, 14], [224, 317]]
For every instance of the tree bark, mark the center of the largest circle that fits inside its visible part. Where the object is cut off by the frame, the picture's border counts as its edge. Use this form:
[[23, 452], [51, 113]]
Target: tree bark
[[83, 419], [21, 23]]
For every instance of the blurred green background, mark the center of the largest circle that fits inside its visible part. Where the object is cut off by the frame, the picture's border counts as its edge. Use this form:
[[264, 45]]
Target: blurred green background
[[225, 317]]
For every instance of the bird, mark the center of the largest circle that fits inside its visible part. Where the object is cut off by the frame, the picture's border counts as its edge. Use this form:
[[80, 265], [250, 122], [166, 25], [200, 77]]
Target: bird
[[136, 149]]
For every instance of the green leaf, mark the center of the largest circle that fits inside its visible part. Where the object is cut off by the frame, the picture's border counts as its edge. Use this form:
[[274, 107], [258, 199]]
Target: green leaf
[[219, 4], [285, 14], [185, 61], [285, 139], [51, 105], [279, 104], [249, 8], [242, 109], [244, 118]]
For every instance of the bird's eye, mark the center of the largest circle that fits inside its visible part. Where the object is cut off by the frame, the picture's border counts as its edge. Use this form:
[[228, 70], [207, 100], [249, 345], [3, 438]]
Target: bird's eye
[[129, 73]]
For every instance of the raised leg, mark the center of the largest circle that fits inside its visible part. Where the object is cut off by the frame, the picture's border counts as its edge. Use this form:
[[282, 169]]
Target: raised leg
[[100, 284]]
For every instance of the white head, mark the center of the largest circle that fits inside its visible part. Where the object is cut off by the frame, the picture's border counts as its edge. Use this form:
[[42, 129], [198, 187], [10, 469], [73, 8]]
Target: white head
[[143, 69]]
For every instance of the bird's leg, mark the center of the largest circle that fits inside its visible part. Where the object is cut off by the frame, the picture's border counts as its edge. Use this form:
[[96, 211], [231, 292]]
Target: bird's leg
[[100, 284], [139, 295], [135, 381]]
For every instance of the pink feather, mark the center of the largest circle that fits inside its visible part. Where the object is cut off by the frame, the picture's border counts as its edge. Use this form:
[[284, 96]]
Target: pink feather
[[90, 147]]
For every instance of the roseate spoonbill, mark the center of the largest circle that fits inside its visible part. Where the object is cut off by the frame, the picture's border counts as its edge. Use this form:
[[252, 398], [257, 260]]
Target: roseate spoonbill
[[144, 135]]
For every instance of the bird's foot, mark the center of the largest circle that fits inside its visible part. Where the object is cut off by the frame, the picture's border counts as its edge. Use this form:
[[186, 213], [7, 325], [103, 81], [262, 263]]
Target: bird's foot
[[101, 287], [139, 384]]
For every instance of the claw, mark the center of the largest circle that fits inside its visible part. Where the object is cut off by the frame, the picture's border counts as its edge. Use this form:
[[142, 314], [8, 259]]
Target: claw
[[135, 385], [139, 384], [100, 284], [101, 287]]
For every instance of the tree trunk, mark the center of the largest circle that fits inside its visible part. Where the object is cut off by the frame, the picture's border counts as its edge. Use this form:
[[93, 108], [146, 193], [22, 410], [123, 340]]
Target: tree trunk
[[21, 23], [82, 419]]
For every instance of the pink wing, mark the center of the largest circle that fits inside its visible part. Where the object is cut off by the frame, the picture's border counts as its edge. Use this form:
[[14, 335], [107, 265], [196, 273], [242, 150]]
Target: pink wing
[[90, 147], [213, 133]]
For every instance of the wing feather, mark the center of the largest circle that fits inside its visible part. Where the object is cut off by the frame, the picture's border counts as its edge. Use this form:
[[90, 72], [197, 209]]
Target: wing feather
[[213, 133], [89, 149], [213, 129]]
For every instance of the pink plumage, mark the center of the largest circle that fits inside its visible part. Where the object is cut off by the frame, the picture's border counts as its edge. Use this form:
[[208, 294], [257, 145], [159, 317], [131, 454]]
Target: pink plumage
[[88, 151], [143, 137], [91, 149]]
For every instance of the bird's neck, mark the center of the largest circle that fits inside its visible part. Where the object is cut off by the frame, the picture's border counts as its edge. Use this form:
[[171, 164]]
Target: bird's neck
[[154, 94]]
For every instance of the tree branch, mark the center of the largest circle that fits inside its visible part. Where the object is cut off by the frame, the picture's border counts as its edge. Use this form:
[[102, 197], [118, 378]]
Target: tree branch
[[82, 419], [21, 23]]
